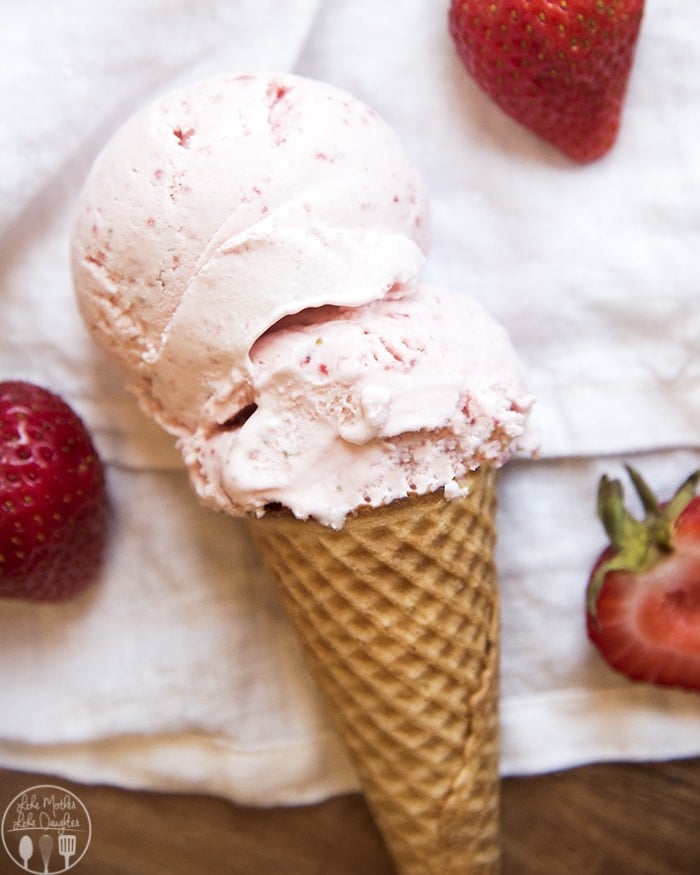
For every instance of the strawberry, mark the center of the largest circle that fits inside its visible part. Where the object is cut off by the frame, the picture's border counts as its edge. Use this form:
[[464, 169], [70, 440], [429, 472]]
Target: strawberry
[[559, 67], [52, 497], [643, 599]]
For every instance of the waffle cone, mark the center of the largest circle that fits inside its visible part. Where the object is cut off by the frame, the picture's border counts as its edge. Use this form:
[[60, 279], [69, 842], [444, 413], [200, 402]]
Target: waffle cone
[[398, 618]]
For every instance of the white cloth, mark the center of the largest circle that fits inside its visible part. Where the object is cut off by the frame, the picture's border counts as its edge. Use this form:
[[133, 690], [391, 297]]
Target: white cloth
[[178, 669]]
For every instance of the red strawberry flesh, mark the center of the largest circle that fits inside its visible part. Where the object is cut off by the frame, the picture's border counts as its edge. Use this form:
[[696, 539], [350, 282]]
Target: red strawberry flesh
[[644, 604]]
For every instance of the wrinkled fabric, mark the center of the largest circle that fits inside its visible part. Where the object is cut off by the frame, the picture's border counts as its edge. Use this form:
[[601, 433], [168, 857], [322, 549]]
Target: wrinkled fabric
[[178, 669]]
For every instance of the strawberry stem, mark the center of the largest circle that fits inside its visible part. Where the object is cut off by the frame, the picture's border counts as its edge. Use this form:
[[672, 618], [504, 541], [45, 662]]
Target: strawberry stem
[[646, 496], [637, 545]]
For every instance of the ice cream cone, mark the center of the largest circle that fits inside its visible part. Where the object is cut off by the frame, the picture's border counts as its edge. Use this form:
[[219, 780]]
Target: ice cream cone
[[398, 617], [250, 250]]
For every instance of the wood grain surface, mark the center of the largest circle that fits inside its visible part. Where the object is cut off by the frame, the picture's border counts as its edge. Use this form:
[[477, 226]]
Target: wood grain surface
[[617, 819]]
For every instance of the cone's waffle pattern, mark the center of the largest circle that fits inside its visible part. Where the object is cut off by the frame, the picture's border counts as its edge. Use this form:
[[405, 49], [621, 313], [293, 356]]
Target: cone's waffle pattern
[[398, 616]]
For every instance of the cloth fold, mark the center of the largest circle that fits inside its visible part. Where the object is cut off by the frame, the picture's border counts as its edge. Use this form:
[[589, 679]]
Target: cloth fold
[[178, 669]]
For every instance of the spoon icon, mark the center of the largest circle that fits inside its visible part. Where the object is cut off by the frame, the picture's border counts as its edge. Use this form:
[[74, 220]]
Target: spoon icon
[[26, 849]]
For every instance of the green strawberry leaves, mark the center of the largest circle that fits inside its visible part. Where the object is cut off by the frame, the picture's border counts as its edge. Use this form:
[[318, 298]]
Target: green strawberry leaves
[[636, 545]]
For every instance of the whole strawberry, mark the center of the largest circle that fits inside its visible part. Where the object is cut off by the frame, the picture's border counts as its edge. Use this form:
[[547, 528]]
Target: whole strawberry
[[643, 611], [52, 497], [559, 67]]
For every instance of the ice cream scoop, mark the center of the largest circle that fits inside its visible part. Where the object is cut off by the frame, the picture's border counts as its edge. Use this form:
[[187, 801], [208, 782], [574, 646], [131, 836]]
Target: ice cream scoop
[[231, 229], [218, 210], [360, 406]]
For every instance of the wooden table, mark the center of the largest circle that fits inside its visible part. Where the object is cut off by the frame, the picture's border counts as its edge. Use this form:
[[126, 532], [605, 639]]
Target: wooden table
[[619, 819]]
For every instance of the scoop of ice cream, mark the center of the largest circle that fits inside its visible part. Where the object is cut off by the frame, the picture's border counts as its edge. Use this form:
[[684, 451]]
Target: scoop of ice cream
[[364, 405], [223, 207], [249, 250]]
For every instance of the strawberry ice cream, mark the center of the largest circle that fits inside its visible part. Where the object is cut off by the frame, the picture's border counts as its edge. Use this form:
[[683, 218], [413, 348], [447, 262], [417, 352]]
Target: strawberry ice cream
[[222, 208], [249, 250], [359, 406]]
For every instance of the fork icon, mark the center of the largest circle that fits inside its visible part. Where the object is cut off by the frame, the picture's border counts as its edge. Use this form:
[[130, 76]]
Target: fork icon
[[66, 846]]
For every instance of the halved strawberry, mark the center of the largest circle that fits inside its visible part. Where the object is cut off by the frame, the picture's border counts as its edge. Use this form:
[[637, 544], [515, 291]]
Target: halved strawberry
[[643, 597], [52, 496]]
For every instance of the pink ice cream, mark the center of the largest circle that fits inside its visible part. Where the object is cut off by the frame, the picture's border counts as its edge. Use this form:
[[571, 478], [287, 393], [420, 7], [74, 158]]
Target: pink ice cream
[[249, 250], [352, 406], [222, 208]]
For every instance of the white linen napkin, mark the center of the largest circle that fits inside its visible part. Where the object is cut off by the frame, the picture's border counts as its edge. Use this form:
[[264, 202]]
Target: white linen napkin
[[178, 669]]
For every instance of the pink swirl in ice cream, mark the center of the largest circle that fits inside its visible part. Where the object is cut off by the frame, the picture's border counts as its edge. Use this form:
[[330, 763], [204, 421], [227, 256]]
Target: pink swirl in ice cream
[[249, 250]]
